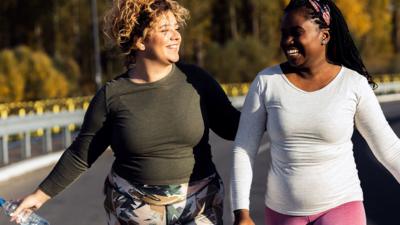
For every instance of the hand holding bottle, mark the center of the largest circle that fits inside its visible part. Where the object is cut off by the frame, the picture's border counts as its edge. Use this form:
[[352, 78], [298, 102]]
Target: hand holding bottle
[[31, 202]]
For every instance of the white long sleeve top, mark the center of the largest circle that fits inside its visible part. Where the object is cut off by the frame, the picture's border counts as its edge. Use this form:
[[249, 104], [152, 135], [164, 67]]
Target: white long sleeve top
[[312, 165]]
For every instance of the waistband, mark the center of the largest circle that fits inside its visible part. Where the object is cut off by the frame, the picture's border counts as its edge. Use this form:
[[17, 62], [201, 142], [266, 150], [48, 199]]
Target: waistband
[[157, 194]]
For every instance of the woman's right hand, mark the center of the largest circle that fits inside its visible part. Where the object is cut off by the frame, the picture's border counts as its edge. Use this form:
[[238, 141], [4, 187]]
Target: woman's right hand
[[242, 217], [31, 202]]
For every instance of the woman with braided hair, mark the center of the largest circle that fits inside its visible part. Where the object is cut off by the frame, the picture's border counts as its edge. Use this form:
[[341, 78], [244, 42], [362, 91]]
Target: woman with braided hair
[[156, 118], [309, 106]]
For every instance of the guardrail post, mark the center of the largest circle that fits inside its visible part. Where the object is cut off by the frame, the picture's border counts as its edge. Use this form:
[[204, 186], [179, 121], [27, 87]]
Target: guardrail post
[[67, 137], [27, 151], [47, 141], [4, 150]]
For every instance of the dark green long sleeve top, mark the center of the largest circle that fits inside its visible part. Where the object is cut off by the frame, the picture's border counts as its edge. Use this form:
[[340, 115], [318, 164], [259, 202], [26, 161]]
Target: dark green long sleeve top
[[158, 131]]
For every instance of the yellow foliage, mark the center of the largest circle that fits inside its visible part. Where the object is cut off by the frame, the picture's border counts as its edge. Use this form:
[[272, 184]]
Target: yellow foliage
[[356, 15], [378, 49], [4, 88], [52, 83], [11, 80], [285, 2], [382, 24], [29, 75]]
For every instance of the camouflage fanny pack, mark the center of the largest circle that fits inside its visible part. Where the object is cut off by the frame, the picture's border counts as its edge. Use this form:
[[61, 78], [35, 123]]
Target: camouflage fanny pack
[[156, 194]]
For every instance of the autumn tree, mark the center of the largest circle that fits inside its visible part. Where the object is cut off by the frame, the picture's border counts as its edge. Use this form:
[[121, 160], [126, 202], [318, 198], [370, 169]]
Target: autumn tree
[[231, 38], [396, 25], [377, 48], [30, 75], [12, 82], [357, 16]]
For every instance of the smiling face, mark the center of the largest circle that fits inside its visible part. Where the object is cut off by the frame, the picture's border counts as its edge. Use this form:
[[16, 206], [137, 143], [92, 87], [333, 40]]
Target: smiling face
[[302, 41], [163, 40]]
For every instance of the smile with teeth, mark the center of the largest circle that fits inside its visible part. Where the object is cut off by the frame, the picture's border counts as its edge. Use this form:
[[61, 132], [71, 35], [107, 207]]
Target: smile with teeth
[[292, 52], [174, 46]]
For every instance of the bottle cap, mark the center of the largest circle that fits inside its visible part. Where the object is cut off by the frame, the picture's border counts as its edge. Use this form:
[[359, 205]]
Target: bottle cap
[[2, 201]]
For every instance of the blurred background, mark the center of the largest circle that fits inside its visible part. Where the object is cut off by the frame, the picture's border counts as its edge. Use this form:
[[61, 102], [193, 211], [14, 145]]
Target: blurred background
[[47, 48], [54, 55]]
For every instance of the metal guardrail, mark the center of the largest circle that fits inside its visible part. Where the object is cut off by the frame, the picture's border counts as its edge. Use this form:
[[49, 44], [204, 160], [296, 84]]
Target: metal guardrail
[[41, 106], [25, 126], [388, 88], [388, 84]]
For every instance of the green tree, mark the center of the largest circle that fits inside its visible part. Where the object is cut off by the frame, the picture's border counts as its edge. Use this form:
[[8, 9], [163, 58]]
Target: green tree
[[197, 32], [238, 60], [270, 21]]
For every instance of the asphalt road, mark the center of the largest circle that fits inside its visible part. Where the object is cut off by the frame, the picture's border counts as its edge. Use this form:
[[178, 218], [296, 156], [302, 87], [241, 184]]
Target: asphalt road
[[81, 204]]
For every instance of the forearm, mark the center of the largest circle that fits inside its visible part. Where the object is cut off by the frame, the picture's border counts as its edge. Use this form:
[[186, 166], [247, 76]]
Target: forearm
[[41, 195], [376, 130], [242, 175], [66, 171], [390, 158]]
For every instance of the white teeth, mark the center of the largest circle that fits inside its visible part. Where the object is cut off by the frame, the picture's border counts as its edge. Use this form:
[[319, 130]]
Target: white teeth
[[292, 52]]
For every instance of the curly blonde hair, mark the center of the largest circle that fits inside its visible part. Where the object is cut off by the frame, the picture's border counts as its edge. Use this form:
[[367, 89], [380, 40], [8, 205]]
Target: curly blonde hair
[[129, 20]]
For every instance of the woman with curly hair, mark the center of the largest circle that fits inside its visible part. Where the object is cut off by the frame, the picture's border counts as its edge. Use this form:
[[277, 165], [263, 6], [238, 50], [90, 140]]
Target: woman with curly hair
[[156, 118], [309, 106]]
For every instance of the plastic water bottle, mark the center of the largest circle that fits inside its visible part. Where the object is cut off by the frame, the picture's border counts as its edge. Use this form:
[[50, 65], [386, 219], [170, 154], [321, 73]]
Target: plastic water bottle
[[32, 219]]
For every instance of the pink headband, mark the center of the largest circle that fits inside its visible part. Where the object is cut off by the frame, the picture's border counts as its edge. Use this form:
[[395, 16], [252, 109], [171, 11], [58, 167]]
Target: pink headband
[[323, 9]]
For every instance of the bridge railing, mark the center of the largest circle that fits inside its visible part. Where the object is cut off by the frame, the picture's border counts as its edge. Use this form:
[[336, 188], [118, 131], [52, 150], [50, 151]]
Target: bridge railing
[[388, 88], [42, 119], [387, 84], [22, 128], [39, 107]]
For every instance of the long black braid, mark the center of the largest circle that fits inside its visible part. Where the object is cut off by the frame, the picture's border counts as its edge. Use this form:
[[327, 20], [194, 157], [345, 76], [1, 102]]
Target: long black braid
[[341, 47]]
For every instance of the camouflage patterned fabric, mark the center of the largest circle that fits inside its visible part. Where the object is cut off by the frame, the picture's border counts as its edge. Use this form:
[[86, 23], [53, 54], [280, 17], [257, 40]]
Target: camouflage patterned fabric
[[196, 203]]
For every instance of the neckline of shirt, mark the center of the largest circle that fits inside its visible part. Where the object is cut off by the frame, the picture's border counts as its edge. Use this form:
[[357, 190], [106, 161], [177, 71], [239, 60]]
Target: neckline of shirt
[[332, 82], [165, 79]]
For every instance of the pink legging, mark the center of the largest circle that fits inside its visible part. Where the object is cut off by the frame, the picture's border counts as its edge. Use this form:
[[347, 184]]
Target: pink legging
[[349, 213]]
